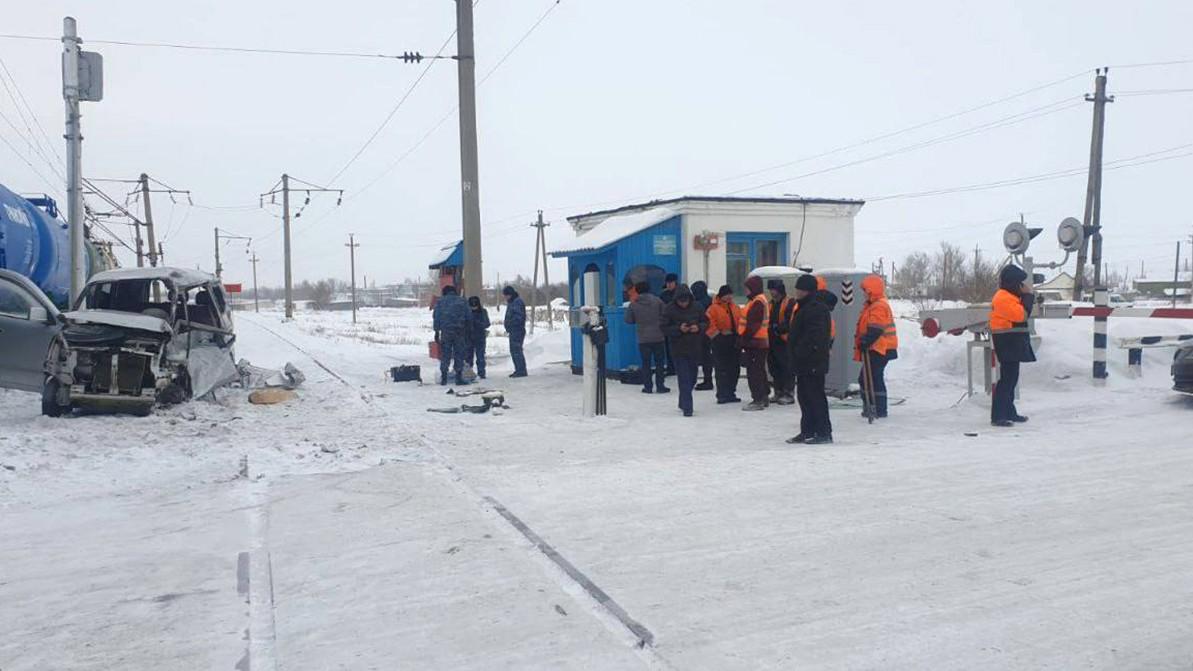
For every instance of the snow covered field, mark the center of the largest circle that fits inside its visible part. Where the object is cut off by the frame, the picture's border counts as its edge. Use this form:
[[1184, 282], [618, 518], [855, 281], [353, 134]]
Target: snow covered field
[[353, 529]]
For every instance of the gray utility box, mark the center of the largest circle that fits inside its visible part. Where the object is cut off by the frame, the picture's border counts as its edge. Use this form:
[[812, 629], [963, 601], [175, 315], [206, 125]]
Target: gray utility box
[[846, 283]]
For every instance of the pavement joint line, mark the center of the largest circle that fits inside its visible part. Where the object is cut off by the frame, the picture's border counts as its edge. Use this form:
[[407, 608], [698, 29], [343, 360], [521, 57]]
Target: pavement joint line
[[644, 635]]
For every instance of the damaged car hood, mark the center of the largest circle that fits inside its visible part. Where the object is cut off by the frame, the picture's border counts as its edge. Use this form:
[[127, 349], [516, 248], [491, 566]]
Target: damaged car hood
[[128, 320]]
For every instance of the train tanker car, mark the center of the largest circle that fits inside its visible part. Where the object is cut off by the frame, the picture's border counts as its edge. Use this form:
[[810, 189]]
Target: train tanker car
[[35, 243]]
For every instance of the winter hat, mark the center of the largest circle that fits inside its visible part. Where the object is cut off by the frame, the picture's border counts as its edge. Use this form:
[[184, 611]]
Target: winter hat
[[474, 301], [508, 291], [1011, 278], [754, 285], [671, 277], [700, 290], [777, 285], [806, 283], [683, 293], [724, 291], [449, 290]]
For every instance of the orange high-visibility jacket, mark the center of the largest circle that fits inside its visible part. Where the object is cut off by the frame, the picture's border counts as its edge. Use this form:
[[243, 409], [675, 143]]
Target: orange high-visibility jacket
[[763, 332], [723, 317], [875, 313], [785, 312], [1007, 313]]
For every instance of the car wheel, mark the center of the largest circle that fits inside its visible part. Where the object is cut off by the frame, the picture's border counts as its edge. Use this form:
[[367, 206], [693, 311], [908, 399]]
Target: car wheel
[[49, 398]]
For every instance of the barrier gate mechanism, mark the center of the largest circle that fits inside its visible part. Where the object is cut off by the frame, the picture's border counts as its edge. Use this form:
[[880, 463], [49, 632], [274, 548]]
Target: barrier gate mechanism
[[975, 318]]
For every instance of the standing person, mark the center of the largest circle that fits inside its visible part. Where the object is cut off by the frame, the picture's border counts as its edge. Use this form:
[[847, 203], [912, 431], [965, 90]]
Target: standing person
[[753, 332], [670, 282], [876, 339], [450, 320], [723, 318], [646, 312], [810, 342], [515, 327], [781, 308], [830, 299], [478, 333], [704, 301], [684, 322], [1009, 311]]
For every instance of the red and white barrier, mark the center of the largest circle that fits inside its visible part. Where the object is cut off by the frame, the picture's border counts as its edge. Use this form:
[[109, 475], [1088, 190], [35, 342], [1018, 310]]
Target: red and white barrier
[[1161, 313]]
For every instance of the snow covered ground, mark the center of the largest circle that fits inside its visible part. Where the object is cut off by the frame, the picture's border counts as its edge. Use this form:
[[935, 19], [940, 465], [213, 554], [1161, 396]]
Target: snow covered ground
[[353, 529]]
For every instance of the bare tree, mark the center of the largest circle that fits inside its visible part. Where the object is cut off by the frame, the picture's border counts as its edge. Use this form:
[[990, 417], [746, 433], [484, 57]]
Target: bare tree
[[949, 271], [913, 275]]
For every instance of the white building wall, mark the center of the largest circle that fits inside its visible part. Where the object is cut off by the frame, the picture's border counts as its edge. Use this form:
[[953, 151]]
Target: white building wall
[[827, 234]]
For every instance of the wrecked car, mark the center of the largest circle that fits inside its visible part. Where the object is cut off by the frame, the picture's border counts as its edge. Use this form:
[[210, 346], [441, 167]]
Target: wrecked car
[[136, 338]]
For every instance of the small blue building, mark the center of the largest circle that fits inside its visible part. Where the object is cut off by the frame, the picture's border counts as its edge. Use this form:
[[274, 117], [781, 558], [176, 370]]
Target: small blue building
[[715, 239]]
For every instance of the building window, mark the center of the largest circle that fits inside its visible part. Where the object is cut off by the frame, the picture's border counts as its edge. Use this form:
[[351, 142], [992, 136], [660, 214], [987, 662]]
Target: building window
[[651, 274], [747, 251]]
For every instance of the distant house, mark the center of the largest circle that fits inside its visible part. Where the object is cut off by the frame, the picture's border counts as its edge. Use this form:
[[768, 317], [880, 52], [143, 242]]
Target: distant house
[[715, 239], [1164, 288], [1059, 288]]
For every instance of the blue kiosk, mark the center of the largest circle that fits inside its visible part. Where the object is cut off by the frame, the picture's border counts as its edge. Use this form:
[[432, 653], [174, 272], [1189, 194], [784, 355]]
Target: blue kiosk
[[715, 239]]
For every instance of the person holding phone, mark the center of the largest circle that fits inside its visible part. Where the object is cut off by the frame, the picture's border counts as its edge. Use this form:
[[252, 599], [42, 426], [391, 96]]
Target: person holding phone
[[684, 322]]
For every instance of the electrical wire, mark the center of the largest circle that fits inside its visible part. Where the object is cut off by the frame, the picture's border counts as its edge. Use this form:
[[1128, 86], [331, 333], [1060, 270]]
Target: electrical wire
[[1036, 113], [45, 152], [210, 47], [1152, 92], [26, 161]]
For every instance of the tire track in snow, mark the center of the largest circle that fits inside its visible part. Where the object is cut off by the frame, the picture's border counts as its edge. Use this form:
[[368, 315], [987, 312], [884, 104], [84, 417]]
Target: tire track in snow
[[367, 398]]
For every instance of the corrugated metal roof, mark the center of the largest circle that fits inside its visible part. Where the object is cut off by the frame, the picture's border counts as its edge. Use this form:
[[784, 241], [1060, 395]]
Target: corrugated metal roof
[[614, 229]]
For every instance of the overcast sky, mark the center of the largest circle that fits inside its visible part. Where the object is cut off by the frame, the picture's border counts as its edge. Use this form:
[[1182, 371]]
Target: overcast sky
[[614, 101]]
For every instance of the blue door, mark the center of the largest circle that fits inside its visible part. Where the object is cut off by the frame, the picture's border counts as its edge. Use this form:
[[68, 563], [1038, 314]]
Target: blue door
[[747, 251]]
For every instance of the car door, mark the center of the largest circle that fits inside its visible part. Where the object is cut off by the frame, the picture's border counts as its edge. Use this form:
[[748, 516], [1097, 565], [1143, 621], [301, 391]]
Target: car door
[[27, 327]]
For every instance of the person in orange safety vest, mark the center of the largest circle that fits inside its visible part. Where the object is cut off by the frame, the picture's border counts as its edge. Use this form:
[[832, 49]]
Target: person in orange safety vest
[[782, 308], [753, 331], [875, 338], [1009, 310], [723, 318]]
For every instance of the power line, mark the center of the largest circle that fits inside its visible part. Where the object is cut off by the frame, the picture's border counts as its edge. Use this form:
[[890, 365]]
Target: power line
[[32, 167], [1045, 110], [1152, 92], [46, 151], [1129, 162], [405, 56]]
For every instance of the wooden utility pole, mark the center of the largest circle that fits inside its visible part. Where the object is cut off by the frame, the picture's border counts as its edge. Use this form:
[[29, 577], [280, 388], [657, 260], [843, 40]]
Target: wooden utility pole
[[1176, 272], [1093, 189], [469, 171], [256, 296], [286, 245], [540, 255], [149, 220], [352, 245]]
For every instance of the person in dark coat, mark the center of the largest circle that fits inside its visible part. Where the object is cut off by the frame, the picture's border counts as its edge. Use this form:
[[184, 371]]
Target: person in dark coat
[[646, 314], [723, 318], [451, 320], [810, 341], [670, 282], [515, 327], [1009, 312], [685, 322], [478, 333], [753, 339], [701, 298]]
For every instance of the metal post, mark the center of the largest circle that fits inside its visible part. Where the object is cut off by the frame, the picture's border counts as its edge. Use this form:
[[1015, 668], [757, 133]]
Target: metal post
[[1101, 300], [546, 275], [286, 244], [534, 281], [74, 155], [219, 270], [256, 296], [352, 245], [1176, 273], [591, 315], [469, 171], [139, 243], [149, 220], [1093, 189]]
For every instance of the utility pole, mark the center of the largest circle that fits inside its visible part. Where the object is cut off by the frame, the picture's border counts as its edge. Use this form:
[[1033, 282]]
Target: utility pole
[[256, 302], [1093, 190], [140, 244], [352, 245], [284, 189], [469, 170], [74, 155], [219, 269], [540, 255], [149, 220], [1176, 272]]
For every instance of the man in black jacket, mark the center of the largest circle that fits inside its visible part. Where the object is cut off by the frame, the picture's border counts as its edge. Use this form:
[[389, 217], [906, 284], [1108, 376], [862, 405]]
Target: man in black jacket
[[685, 322], [810, 341], [700, 297]]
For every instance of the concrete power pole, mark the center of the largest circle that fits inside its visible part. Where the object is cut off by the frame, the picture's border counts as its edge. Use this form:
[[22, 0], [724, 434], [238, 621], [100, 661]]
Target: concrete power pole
[[256, 296], [1093, 189], [149, 221], [469, 171], [286, 245], [540, 256], [74, 155], [219, 270], [352, 245]]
